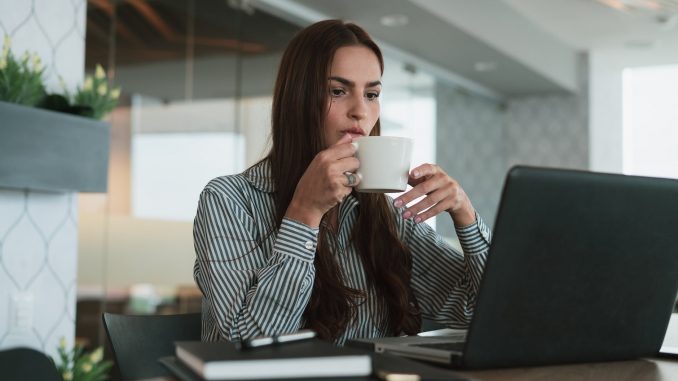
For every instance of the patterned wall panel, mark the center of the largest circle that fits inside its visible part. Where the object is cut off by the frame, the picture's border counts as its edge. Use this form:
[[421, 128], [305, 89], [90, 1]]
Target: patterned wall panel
[[479, 140], [38, 230], [547, 131], [469, 148]]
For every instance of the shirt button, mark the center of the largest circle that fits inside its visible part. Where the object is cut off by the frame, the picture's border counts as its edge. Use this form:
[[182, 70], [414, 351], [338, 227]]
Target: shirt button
[[309, 245]]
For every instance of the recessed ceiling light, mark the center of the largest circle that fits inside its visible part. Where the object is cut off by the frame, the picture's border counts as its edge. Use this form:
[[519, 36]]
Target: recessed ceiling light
[[641, 44], [485, 66], [394, 20]]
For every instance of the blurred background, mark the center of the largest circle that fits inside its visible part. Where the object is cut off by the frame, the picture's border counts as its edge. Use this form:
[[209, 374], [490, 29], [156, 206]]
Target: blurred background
[[479, 85]]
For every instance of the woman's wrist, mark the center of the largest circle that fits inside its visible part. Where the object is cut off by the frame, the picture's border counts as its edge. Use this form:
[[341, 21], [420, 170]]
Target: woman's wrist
[[464, 216], [305, 215]]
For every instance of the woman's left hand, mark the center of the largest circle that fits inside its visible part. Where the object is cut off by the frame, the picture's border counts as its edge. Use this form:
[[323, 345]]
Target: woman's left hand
[[441, 193]]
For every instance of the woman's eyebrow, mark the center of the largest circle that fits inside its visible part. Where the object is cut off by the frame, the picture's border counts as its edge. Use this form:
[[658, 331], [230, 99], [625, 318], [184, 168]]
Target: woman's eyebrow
[[350, 83]]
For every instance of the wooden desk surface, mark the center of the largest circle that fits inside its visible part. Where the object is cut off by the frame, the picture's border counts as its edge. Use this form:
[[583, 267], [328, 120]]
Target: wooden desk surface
[[637, 370]]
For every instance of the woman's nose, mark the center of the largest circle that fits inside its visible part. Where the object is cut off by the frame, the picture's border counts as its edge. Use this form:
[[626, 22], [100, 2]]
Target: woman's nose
[[358, 109]]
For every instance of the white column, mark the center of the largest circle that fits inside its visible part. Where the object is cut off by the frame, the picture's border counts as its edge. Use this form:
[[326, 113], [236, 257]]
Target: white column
[[39, 230]]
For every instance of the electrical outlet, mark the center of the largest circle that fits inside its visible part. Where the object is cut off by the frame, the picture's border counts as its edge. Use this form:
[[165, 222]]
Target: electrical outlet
[[22, 311]]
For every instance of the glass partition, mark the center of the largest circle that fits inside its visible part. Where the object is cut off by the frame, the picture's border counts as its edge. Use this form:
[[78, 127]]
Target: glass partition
[[197, 79]]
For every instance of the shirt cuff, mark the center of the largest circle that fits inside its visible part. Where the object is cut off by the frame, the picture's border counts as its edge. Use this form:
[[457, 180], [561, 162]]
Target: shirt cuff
[[297, 240], [475, 238]]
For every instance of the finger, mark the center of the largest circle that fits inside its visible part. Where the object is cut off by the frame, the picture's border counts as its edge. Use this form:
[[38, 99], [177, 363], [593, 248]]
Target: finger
[[344, 139], [420, 173], [427, 202], [339, 151], [347, 164], [419, 190], [433, 211]]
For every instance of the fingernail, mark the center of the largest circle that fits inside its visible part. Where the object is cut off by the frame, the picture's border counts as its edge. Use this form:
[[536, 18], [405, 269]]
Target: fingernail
[[407, 214], [417, 220], [415, 174], [398, 203]]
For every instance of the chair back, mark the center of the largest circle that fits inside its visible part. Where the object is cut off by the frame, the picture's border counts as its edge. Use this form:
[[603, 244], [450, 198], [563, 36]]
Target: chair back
[[20, 364], [139, 340]]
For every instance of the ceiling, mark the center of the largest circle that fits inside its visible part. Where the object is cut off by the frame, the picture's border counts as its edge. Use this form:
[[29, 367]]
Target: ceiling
[[600, 24], [149, 31], [531, 46], [498, 48]]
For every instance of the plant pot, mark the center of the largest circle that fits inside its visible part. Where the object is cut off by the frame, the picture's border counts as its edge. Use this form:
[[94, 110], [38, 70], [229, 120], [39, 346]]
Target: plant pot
[[52, 151]]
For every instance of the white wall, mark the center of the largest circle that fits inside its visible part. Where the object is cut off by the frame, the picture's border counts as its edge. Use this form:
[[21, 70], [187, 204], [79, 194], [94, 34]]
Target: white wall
[[605, 112], [606, 98], [38, 230], [133, 250]]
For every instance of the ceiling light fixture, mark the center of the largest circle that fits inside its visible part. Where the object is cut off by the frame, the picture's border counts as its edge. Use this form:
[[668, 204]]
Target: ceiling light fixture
[[394, 20], [665, 6], [484, 67], [641, 44]]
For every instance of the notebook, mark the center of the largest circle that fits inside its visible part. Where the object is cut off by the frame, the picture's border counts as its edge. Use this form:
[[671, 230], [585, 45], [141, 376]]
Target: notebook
[[582, 267], [384, 367], [311, 358]]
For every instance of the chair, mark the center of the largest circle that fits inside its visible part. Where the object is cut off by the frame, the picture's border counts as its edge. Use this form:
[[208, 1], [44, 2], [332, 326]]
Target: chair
[[139, 340], [20, 364]]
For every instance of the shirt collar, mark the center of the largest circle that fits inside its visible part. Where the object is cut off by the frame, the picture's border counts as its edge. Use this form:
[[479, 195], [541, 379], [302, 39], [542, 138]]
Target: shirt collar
[[259, 176]]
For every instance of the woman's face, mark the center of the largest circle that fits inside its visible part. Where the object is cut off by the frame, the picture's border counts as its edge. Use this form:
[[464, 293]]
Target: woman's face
[[354, 87]]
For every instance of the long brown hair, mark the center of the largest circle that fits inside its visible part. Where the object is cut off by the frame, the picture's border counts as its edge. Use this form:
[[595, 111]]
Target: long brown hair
[[298, 124]]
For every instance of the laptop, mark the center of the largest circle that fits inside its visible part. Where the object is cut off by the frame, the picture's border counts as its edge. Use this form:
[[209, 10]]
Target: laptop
[[583, 267]]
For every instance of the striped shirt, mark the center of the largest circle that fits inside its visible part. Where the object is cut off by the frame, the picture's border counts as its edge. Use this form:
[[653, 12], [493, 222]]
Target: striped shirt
[[254, 283]]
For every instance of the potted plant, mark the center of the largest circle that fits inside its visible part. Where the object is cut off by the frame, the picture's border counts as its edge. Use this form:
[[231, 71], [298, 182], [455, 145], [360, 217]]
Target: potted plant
[[61, 146], [77, 365]]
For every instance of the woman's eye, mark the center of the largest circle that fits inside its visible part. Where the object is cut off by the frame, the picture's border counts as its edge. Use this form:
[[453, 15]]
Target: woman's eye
[[337, 92], [372, 96]]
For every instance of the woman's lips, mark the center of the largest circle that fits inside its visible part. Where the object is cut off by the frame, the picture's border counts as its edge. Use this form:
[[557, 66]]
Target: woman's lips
[[355, 133]]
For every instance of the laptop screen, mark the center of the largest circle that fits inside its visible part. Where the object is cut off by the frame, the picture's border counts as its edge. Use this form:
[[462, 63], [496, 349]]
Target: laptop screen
[[583, 267]]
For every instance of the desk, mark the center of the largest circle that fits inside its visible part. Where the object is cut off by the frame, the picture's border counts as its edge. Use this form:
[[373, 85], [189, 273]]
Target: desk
[[636, 370]]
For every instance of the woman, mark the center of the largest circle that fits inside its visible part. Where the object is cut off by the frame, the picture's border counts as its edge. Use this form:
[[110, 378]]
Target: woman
[[289, 244]]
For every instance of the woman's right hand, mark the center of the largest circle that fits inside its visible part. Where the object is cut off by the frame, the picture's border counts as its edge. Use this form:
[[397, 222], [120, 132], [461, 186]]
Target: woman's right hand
[[324, 183]]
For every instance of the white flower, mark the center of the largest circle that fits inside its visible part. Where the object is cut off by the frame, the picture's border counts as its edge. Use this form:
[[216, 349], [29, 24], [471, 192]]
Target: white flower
[[5, 46], [115, 94], [97, 355], [62, 343], [62, 83], [37, 63], [68, 376], [102, 89], [99, 72], [3, 63], [86, 367], [89, 82]]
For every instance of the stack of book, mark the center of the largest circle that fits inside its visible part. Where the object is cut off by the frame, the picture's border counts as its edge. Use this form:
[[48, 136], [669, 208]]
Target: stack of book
[[227, 361]]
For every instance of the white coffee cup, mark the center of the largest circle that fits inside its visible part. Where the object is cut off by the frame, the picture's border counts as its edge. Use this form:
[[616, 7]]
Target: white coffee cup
[[384, 163]]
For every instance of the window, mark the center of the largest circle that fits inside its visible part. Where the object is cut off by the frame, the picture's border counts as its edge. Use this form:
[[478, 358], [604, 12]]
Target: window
[[651, 121]]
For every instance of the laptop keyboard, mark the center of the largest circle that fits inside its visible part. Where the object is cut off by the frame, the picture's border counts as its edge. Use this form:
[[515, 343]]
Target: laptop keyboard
[[447, 346]]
